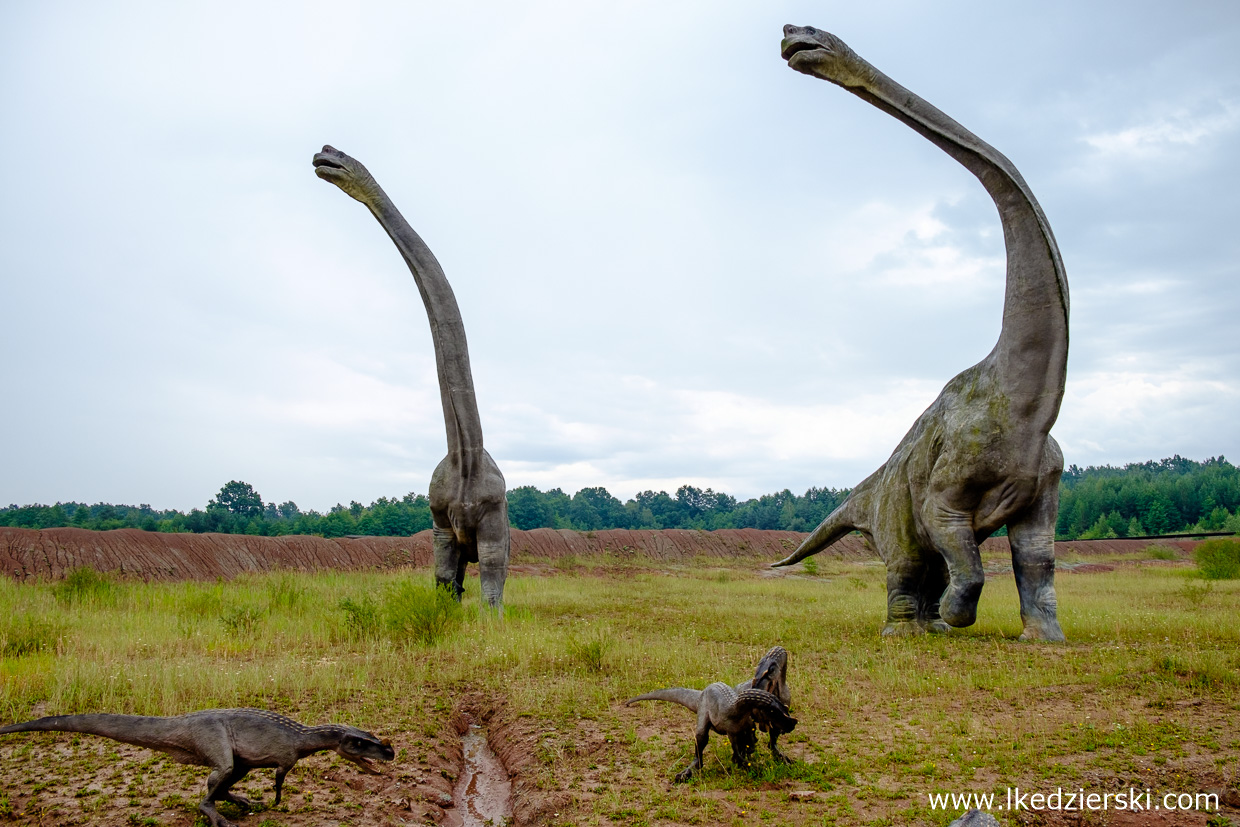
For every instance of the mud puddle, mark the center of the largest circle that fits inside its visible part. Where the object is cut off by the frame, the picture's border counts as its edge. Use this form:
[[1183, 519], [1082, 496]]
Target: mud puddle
[[483, 792]]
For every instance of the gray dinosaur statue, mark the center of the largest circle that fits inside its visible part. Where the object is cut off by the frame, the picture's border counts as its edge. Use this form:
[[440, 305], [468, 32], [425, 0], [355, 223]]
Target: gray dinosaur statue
[[230, 741], [771, 676], [975, 818], [734, 711], [469, 505], [981, 456]]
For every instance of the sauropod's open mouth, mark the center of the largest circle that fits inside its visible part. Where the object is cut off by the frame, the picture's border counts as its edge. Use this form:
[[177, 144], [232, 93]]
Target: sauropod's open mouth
[[322, 159], [794, 45]]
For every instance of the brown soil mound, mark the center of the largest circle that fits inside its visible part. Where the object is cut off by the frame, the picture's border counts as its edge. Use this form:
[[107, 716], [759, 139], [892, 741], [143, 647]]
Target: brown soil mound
[[143, 555]]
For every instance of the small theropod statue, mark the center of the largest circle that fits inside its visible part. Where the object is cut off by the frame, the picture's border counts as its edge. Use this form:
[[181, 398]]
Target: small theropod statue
[[734, 711], [229, 741]]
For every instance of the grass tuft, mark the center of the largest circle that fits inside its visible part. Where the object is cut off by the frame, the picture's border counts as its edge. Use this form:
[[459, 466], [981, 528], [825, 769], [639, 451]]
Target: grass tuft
[[1219, 559], [85, 585], [26, 634], [421, 613]]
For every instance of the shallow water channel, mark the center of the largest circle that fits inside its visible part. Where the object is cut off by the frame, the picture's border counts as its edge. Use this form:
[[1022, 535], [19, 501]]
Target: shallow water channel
[[483, 792]]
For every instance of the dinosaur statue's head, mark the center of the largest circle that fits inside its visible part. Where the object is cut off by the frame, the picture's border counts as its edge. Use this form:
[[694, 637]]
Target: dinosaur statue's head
[[821, 54], [347, 173], [772, 672], [361, 747]]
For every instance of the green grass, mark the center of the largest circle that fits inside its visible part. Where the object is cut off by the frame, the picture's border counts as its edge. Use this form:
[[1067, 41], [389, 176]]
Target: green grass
[[1151, 672]]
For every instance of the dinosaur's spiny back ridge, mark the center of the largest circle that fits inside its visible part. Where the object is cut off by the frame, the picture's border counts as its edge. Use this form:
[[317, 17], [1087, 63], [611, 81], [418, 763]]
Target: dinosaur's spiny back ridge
[[281, 720]]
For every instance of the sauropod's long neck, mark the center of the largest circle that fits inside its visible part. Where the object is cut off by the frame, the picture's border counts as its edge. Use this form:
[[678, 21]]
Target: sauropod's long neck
[[1031, 355], [456, 381]]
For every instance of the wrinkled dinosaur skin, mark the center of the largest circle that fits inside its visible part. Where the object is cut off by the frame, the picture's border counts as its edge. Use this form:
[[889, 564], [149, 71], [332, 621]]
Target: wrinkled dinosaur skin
[[981, 456], [469, 504], [230, 741], [734, 711]]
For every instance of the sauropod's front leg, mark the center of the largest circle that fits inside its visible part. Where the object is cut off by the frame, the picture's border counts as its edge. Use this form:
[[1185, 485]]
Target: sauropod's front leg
[[951, 532]]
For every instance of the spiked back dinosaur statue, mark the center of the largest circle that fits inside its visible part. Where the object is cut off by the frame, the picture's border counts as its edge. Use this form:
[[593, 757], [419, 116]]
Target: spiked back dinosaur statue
[[981, 456], [229, 741], [734, 711], [469, 505]]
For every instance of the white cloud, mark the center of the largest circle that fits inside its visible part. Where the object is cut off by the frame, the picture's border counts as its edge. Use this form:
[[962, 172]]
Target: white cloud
[[1165, 135]]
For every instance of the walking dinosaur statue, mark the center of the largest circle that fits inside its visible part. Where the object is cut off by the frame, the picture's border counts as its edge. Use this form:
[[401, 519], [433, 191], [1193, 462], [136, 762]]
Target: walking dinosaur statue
[[469, 505], [733, 711], [981, 456], [230, 741]]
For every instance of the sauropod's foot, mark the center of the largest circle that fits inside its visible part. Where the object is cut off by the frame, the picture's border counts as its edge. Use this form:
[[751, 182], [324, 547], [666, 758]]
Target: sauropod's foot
[[903, 628], [959, 605], [938, 626], [1044, 630]]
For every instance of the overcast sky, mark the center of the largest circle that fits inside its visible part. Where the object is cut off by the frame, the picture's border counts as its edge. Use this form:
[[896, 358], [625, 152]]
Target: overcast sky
[[678, 261]]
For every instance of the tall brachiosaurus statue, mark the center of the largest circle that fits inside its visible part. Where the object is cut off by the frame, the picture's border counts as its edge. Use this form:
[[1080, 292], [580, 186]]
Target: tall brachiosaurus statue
[[981, 456], [469, 505]]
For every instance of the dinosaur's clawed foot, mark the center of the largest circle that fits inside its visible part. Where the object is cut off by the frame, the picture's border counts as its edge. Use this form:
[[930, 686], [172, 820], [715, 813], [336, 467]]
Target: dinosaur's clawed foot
[[938, 626], [685, 774], [214, 817], [241, 801]]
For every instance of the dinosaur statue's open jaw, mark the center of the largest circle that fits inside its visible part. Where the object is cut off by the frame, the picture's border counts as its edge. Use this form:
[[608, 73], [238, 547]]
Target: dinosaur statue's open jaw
[[794, 46], [365, 764], [322, 159]]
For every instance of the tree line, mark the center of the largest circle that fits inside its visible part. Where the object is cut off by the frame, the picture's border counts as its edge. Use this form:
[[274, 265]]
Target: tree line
[[1139, 499]]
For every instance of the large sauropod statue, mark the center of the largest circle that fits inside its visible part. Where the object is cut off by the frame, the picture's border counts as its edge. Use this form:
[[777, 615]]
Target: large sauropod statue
[[981, 456], [469, 504]]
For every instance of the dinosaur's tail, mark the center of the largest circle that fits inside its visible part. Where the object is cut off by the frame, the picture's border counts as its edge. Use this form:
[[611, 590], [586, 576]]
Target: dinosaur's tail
[[689, 698], [838, 523], [138, 730]]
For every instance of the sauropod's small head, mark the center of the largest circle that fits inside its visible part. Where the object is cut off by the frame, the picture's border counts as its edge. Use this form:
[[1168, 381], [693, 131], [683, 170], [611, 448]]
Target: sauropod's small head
[[345, 172], [822, 54], [362, 747]]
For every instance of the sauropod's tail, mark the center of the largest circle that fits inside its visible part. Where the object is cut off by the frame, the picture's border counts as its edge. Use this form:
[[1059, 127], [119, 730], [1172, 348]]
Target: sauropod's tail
[[838, 523], [766, 709], [688, 698]]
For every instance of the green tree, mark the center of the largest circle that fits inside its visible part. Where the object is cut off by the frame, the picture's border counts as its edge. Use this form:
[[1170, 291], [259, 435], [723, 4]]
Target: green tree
[[528, 509], [238, 498]]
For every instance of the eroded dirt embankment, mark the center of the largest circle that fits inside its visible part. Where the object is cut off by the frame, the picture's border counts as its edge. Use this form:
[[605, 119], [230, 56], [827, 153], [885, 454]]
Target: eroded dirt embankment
[[142, 555]]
